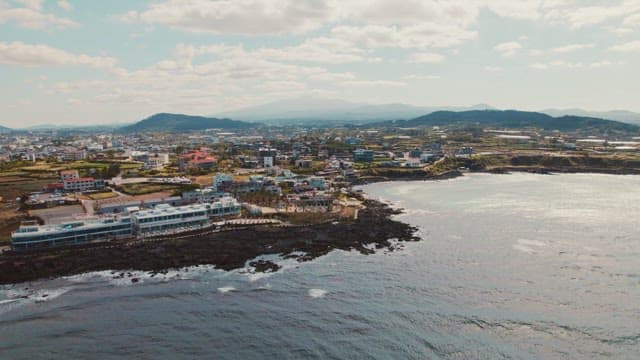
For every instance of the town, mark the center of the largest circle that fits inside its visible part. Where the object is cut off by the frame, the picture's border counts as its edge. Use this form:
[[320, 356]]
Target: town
[[64, 187]]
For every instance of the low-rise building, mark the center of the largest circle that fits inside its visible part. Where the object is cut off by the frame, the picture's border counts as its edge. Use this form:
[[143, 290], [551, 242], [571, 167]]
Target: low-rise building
[[70, 233], [83, 184], [203, 195], [363, 155], [69, 175], [165, 217], [199, 159]]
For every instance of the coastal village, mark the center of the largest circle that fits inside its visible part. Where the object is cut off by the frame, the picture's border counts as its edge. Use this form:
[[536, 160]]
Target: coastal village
[[69, 187]]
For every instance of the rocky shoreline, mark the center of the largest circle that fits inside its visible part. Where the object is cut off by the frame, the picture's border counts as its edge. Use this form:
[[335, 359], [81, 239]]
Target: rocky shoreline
[[228, 250]]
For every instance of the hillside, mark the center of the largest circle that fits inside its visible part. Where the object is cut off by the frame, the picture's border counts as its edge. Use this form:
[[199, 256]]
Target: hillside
[[514, 119], [4, 129], [181, 122]]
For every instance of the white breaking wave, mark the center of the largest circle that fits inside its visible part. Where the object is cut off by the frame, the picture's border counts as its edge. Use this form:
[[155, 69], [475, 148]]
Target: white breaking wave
[[317, 293], [226, 289], [15, 298], [127, 278]]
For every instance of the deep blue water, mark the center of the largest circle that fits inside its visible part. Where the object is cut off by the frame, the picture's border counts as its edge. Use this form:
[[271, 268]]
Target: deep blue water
[[510, 266]]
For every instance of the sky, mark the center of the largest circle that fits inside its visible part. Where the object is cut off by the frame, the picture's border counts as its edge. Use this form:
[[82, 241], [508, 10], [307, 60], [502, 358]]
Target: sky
[[94, 62]]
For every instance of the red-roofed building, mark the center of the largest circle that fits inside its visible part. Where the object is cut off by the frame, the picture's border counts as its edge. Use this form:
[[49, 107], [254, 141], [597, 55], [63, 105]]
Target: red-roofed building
[[53, 187], [200, 159]]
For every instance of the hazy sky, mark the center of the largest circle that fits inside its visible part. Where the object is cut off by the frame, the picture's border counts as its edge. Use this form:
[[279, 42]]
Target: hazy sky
[[92, 62]]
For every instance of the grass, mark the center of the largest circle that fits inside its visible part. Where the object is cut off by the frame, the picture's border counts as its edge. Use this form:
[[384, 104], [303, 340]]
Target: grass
[[146, 188], [11, 190], [52, 167], [13, 173], [102, 195]]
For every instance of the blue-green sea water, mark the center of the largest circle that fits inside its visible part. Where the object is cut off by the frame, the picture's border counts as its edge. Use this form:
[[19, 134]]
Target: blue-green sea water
[[510, 267]]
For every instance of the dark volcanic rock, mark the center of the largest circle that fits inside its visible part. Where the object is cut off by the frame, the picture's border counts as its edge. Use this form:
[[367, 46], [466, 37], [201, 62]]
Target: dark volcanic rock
[[226, 250], [265, 266]]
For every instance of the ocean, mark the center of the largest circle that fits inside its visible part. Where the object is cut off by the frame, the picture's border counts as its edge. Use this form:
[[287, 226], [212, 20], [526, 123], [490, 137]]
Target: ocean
[[516, 266]]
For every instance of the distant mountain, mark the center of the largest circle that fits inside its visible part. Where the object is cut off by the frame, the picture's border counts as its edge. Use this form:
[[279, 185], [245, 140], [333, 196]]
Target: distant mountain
[[514, 119], [4, 129], [65, 127], [303, 110], [180, 122], [618, 115]]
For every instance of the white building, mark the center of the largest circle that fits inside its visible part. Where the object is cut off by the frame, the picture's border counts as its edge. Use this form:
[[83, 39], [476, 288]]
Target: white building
[[165, 217], [203, 195], [71, 233], [83, 184], [156, 161]]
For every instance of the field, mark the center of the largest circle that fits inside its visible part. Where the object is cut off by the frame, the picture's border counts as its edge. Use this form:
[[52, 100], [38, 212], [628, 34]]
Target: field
[[146, 188], [12, 187], [10, 219], [101, 195], [79, 165]]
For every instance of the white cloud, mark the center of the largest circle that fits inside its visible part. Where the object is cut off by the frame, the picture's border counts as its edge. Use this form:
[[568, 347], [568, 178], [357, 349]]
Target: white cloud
[[572, 48], [315, 50], [31, 16], [229, 77], [320, 50], [421, 77], [580, 16], [632, 20], [21, 54], [508, 49], [519, 9], [415, 36], [235, 17], [65, 5], [366, 23], [426, 58], [632, 46], [490, 68], [373, 83], [562, 64]]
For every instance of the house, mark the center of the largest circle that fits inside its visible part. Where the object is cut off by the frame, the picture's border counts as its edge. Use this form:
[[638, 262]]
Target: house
[[199, 159], [415, 153], [427, 158], [71, 154], [353, 141], [156, 161], [69, 174], [83, 184], [267, 156], [53, 187], [363, 155], [318, 183], [222, 180], [202, 196], [304, 163]]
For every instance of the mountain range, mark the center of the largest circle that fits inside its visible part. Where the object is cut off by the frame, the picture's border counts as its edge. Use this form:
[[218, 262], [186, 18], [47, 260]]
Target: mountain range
[[320, 111], [306, 109], [513, 119]]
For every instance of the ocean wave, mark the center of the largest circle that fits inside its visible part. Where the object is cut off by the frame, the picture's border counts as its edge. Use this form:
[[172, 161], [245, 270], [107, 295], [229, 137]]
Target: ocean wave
[[317, 293], [19, 297], [226, 289]]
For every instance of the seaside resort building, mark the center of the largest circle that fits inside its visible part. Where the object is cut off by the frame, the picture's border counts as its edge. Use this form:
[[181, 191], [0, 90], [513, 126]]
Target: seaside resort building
[[161, 220]]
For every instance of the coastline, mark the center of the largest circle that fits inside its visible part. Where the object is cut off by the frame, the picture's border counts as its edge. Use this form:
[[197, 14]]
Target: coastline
[[237, 248], [228, 250], [502, 170]]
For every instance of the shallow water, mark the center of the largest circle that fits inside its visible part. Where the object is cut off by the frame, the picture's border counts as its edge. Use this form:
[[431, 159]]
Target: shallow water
[[510, 266]]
